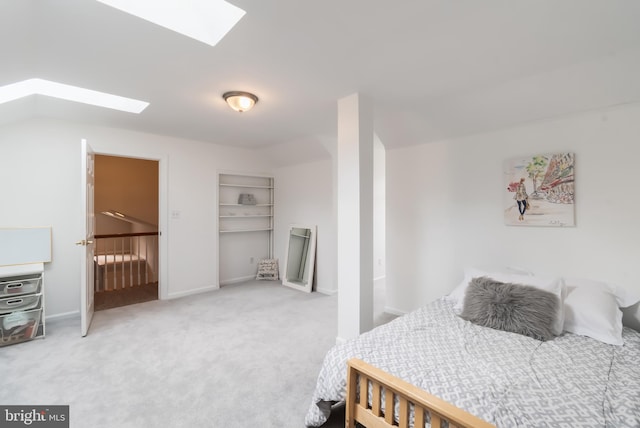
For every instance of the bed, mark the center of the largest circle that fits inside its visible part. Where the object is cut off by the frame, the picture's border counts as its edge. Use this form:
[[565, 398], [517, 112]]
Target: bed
[[412, 405], [587, 374]]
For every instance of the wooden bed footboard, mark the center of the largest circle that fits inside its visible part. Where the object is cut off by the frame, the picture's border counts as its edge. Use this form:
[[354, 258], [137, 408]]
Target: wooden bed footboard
[[410, 398]]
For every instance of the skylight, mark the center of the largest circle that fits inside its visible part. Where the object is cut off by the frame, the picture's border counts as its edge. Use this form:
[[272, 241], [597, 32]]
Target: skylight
[[71, 93], [207, 21]]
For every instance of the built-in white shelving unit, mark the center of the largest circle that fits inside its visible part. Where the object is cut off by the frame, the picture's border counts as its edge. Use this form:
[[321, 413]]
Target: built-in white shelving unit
[[245, 223]]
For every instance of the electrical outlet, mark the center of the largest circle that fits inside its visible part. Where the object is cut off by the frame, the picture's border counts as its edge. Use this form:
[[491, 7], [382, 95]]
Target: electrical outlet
[[251, 260]]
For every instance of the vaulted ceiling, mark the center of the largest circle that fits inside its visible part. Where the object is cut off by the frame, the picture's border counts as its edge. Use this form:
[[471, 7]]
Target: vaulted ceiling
[[434, 69]]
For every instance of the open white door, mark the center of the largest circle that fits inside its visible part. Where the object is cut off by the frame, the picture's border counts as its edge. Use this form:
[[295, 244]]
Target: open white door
[[87, 256]]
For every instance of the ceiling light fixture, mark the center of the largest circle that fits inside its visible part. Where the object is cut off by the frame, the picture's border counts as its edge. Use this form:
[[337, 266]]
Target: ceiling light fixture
[[240, 101]]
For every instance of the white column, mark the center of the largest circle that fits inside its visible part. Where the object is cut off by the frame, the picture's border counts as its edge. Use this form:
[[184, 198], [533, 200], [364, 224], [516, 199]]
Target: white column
[[355, 216]]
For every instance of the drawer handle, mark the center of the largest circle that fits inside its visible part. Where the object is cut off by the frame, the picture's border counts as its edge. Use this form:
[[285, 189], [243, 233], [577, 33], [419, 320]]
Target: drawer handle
[[14, 286], [14, 302]]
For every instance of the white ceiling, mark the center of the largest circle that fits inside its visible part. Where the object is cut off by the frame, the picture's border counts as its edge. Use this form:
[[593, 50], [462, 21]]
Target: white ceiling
[[434, 69]]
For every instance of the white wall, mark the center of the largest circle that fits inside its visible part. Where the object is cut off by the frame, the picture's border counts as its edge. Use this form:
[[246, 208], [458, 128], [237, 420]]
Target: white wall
[[304, 195], [40, 186], [445, 207]]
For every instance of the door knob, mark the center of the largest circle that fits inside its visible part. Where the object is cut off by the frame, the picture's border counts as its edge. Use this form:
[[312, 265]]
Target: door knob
[[84, 242]]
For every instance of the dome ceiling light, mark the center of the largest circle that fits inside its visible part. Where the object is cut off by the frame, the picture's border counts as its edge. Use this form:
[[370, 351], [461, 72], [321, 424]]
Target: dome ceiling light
[[240, 101]]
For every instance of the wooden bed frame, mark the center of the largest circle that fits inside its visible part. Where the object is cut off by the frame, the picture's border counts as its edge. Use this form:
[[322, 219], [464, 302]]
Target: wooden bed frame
[[372, 415]]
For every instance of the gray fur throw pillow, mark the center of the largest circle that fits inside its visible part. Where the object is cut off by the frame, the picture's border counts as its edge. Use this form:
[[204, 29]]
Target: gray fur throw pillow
[[515, 308]]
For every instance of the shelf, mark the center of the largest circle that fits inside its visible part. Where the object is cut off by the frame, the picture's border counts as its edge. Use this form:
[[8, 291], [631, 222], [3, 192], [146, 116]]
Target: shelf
[[245, 216], [245, 205], [246, 230], [250, 186]]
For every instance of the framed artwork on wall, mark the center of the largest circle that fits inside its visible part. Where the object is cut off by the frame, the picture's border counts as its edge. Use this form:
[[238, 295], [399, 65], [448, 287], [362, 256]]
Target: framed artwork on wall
[[539, 190]]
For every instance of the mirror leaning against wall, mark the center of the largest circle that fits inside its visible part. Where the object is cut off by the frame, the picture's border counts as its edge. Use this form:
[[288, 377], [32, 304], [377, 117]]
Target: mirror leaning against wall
[[300, 258]]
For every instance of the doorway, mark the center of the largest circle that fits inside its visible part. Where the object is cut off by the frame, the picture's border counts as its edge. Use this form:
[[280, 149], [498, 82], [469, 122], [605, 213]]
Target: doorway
[[126, 208]]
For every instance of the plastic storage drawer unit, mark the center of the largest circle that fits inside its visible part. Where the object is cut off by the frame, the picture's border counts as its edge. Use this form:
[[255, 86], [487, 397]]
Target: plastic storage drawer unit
[[22, 303], [19, 326], [20, 285], [19, 303]]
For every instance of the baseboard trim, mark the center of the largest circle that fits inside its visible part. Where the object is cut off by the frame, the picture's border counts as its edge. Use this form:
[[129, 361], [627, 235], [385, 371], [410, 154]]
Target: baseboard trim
[[394, 311], [192, 292], [236, 280], [62, 316], [326, 291]]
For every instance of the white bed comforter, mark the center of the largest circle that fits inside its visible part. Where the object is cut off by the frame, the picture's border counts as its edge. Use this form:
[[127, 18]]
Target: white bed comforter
[[507, 379]]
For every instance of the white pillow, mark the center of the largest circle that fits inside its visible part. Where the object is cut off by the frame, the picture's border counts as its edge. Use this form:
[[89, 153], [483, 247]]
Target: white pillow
[[624, 296], [553, 285], [592, 310], [457, 294]]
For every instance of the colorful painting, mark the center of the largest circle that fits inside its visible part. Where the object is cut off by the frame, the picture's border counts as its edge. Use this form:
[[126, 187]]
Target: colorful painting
[[540, 190]]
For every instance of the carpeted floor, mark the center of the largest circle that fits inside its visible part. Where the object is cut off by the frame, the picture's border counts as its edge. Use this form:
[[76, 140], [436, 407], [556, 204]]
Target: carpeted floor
[[247, 355]]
